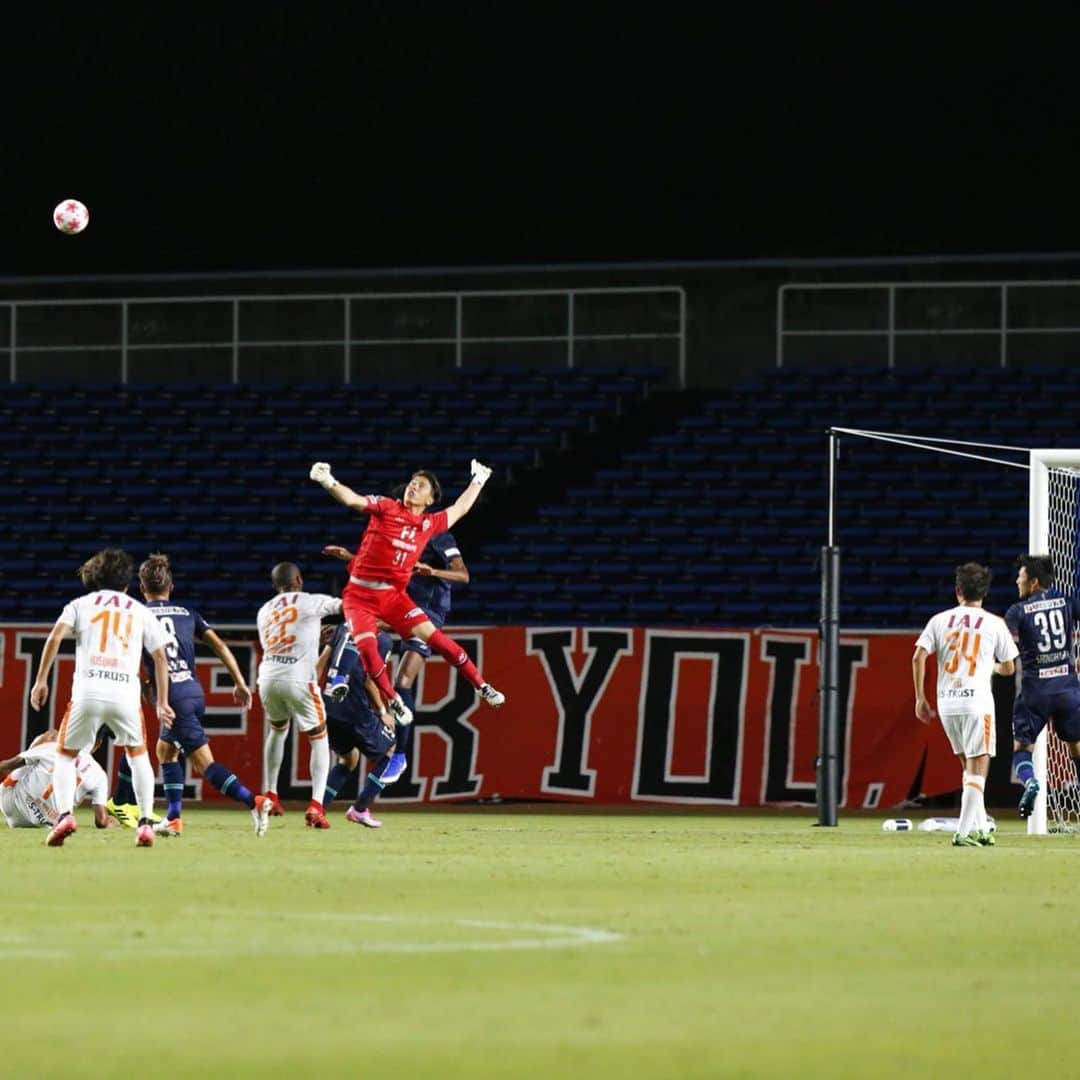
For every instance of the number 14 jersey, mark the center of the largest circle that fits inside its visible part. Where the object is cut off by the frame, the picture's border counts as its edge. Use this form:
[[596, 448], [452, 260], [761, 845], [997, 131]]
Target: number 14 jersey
[[967, 641]]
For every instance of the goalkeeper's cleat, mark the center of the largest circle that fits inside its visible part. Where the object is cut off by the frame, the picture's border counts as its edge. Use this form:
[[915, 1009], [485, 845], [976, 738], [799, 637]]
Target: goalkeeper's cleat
[[315, 816], [492, 696], [144, 835], [362, 817], [985, 838], [969, 840], [175, 827], [276, 809], [337, 688], [61, 831], [1027, 799], [399, 711], [397, 765], [260, 814]]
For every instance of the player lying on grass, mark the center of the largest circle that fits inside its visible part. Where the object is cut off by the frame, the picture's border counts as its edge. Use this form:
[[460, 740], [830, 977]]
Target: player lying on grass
[[358, 723], [396, 534], [26, 787], [111, 631]]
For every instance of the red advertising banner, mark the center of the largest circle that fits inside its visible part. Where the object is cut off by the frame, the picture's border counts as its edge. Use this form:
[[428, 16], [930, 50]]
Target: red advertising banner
[[595, 714]]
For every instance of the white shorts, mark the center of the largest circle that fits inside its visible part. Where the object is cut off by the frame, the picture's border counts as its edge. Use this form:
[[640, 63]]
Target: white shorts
[[971, 734], [284, 700], [79, 728]]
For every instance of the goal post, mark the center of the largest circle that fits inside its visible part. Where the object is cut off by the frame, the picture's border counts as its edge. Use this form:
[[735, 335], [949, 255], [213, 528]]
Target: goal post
[[1054, 529]]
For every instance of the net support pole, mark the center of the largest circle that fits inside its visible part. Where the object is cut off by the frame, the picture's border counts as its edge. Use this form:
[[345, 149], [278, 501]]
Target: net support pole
[[828, 779]]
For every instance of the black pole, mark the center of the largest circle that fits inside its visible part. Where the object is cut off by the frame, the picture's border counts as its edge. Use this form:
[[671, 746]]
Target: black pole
[[828, 763]]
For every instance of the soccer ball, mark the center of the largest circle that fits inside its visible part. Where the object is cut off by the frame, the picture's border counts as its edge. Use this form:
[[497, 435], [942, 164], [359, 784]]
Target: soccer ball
[[71, 217]]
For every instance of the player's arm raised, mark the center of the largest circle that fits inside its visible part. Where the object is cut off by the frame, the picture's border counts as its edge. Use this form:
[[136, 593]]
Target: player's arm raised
[[464, 502], [320, 473], [39, 694]]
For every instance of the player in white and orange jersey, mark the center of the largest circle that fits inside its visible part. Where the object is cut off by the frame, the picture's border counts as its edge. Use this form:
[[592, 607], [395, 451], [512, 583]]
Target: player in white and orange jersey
[[26, 786], [971, 646], [289, 628], [111, 630]]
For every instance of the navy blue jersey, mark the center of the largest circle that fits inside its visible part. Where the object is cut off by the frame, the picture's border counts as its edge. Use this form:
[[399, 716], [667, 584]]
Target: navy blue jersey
[[353, 722], [183, 625], [1043, 626], [432, 593]]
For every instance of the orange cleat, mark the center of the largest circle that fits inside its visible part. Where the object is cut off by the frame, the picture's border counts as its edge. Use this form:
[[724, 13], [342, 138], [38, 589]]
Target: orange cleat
[[315, 816], [276, 809], [144, 835]]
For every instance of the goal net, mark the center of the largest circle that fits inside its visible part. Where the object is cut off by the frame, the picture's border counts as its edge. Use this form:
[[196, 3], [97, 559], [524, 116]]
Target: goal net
[[1054, 527]]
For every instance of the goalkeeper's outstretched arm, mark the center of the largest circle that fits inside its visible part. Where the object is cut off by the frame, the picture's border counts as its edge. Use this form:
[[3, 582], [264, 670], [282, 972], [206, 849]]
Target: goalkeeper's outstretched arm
[[464, 502], [320, 473]]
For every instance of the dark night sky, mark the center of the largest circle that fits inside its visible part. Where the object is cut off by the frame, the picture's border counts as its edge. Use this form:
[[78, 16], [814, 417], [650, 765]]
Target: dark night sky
[[395, 134]]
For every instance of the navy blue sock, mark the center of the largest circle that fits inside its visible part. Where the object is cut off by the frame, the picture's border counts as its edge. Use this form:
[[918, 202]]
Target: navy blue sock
[[373, 785], [124, 795], [172, 776], [405, 734], [1022, 765], [227, 784], [335, 781]]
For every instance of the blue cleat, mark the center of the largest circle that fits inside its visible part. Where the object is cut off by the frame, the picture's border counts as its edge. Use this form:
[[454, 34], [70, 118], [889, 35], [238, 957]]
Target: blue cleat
[[337, 688], [393, 771], [1027, 799]]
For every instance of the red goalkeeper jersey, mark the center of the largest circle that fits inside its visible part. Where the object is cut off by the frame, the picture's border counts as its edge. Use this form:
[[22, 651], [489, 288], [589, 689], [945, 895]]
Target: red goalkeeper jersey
[[393, 540]]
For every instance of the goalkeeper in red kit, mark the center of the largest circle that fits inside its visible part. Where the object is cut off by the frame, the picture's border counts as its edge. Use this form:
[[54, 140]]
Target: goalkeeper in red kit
[[379, 572]]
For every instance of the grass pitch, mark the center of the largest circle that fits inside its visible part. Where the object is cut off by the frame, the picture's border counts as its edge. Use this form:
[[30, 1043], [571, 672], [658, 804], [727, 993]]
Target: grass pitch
[[498, 942]]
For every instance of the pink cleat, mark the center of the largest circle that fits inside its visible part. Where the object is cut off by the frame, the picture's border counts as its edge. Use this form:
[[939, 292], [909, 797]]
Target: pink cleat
[[61, 831], [144, 835], [362, 817]]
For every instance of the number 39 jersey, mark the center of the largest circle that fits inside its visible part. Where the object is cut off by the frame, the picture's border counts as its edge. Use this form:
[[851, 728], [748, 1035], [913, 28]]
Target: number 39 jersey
[[1043, 625], [967, 642], [111, 631], [289, 635]]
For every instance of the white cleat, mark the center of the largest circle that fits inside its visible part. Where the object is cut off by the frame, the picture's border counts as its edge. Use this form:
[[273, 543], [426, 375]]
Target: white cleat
[[492, 696], [400, 711], [260, 815]]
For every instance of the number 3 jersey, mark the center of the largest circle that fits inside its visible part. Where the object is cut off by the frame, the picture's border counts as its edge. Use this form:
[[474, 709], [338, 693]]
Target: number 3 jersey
[[1043, 626], [182, 625], [967, 642], [289, 635], [111, 631]]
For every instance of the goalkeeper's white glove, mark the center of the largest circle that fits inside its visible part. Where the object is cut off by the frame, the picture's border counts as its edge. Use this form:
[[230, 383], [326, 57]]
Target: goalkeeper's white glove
[[480, 473], [320, 473]]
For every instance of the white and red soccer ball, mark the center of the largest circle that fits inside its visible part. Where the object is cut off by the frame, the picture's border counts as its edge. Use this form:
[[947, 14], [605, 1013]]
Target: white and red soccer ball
[[71, 216]]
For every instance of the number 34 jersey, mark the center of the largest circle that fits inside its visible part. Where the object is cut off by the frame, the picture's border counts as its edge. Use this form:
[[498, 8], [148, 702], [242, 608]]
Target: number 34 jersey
[[967, 642], [289, 635], [1043, 625]]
